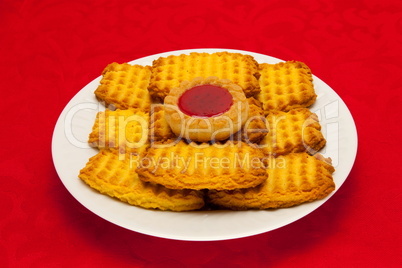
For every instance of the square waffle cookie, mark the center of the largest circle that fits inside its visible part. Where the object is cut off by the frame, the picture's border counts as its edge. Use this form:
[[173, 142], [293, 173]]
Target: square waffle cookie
[[285, 86], [290, 132], [108, 174], [123, 129], [125, 86], [169, 72], [293, 179], [204, 166]]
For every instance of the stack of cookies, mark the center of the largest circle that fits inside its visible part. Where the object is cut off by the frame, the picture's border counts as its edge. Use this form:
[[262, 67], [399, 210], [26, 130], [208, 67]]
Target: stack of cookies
[[253, 147]]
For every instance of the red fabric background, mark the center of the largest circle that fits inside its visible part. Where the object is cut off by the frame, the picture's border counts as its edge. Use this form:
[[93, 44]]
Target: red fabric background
[[51, 49]]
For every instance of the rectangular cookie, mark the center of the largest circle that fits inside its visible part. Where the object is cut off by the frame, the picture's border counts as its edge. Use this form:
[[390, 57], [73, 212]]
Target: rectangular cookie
[[123, 129], [293, 179], [169, 72], [285, 86], [115, 176], [125, 86], [203, 166], [297, 130]]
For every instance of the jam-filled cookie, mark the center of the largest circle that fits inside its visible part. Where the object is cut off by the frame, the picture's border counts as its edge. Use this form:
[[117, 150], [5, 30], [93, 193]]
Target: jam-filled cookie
[[206, 109]]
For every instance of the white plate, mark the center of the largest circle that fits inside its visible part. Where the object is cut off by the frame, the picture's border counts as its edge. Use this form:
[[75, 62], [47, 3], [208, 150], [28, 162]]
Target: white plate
[[71, 152]]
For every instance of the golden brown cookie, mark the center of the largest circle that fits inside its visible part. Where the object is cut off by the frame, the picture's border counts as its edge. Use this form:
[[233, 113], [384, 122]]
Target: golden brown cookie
[[124, 129], [125, 86], [204, 166], [285, 86], [159, 129], [254, 129], [295, 131], [293, 179], [206, 109], [107, 173], [169, 72]]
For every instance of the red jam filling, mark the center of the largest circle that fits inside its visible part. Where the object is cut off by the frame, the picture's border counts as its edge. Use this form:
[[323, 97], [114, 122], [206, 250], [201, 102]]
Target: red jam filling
[[205, 101]]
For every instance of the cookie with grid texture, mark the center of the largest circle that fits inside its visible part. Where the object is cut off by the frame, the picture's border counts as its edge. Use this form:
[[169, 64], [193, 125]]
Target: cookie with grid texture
[[297, 130], [169, 72], [123, 129], [285, 86], [159, 129], [114, 175], [293, 179], [204, 166], [125, 86]]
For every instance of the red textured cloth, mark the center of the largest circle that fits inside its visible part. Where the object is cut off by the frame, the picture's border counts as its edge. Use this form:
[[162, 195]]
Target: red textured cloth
[[51, 49]]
